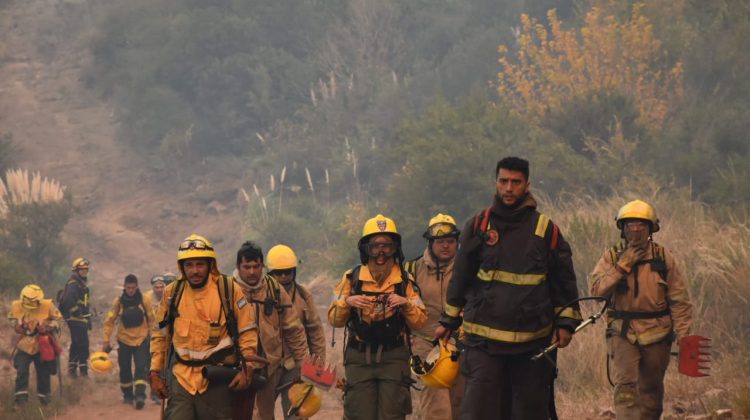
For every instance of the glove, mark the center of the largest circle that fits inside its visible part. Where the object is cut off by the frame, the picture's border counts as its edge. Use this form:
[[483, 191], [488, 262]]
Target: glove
[[106, 347], [41, 329], [158, 387], [242, 380], [629, 258]]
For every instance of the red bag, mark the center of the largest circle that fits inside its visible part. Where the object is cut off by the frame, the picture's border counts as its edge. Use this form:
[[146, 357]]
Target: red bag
[[48, 347]]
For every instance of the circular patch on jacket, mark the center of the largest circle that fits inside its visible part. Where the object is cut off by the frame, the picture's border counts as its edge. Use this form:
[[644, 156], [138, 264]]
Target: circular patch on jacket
[[492, 237]]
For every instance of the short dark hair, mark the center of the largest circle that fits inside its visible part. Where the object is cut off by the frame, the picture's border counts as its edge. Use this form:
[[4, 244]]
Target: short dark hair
[[131, 279], [513, 163], [250, 252]]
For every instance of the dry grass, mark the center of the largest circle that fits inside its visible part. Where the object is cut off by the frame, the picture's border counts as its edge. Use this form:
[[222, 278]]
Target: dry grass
[[713, 256], [21, 187]]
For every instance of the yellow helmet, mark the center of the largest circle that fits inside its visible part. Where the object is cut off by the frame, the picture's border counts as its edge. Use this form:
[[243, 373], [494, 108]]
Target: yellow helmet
[[31, 296], [640, 210], [305, 399], [439, 369], [441, 226], [281, 257], [79, 262], [100, 362], [196, 246], [379, 225]]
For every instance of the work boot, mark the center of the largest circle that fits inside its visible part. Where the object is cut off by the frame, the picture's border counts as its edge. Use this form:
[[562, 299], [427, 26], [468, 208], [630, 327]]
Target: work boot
[[139, 403], [43, 399]]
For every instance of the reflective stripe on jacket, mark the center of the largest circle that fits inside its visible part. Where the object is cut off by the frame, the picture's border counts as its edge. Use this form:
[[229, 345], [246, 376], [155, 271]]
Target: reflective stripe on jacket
[[511, 289]]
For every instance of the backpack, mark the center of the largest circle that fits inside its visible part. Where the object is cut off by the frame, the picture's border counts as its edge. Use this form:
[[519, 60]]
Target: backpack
[[132, 316]]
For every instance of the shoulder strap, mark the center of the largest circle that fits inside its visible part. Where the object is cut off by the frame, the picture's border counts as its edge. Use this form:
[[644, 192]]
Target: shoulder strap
[[482, 223], [411, 267], [353, 277], [174, 303]]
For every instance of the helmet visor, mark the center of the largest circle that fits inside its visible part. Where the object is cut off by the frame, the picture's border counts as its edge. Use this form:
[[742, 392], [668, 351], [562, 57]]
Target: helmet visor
[[30, 303], [439, 230], [195, 244], [386, 249]]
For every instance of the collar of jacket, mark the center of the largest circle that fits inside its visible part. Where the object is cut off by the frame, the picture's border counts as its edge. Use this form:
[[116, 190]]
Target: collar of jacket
[[430, 261], [80, 280], [247, 287], [516, 213]]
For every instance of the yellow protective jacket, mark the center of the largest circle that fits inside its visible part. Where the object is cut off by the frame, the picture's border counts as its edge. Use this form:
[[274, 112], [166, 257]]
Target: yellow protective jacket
[[46, 314], [653, 294], [129, 336], [339, 313], [432, 288], [281, 330], [304, 306], [197, 310]]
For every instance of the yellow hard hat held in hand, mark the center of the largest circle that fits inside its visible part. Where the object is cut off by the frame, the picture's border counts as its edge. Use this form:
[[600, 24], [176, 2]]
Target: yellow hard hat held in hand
[[100, 362], [305, 398], [439, 369]]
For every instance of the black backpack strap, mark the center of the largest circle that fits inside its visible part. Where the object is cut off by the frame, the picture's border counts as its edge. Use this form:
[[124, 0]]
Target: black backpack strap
[[227, 306], [174, 303]]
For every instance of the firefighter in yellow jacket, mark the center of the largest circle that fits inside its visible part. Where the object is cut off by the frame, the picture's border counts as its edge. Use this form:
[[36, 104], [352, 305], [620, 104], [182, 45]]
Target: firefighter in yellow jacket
[[282, 266], [378, 303], [132, 313], [432, 272], [34, 320], [649, 301], [282, 335], [208, 323]]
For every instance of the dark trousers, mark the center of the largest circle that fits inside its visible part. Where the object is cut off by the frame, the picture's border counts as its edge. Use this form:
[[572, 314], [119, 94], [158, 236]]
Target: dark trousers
[[130, 357], [214, 404], [505, 386], [22, 361], [79, 347]]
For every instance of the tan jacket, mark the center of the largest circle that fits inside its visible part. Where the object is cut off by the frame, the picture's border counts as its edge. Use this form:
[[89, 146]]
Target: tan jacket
[[654, 294], [129, 336], [47, 315], [433, 290], [282, 330], [305, 307], [413, 311], [154, 301], [198, 309]]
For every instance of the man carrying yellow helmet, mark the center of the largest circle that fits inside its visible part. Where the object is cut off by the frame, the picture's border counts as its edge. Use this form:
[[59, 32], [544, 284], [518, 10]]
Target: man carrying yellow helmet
[[432, 271], [75, 307], [648, 299], [131, 311], [281, 334], [378, 303], [205, 321], [35, 320], [282, 265]]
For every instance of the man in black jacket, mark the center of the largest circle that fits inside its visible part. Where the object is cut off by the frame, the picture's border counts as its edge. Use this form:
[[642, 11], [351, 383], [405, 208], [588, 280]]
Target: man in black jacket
[[74, 305], [512, 275]]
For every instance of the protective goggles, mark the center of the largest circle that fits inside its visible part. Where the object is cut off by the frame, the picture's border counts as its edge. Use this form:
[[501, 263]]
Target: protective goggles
[[82, 264], [439, 230], [195, 244], [157, 279], [284, 272], [376, 249]]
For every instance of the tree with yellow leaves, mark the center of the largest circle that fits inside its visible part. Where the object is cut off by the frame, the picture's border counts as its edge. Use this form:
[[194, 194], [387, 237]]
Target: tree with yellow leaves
[[555, 66]]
